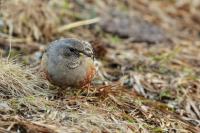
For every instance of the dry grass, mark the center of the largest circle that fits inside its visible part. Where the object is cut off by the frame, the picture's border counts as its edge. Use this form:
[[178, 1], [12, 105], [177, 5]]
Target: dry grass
[[93, 111], [43, 19], [158, 86], [17, 81]]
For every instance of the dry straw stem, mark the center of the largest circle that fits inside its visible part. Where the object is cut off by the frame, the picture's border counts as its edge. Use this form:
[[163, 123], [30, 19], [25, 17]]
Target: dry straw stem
[[17, 81], [77, 24]]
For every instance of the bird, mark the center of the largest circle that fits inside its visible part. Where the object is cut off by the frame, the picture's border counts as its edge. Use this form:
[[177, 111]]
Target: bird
[[69, 62]]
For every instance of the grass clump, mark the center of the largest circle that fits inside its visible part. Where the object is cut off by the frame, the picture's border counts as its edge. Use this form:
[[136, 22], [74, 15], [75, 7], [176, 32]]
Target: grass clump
[[18, 81]]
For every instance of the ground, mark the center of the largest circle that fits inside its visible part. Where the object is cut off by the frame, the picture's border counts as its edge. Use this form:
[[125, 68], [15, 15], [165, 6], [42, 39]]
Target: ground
[[147, 53]]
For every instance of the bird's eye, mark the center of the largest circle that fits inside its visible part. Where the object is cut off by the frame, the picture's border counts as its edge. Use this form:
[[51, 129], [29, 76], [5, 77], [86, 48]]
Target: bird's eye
[[71, 50], [74, 51]]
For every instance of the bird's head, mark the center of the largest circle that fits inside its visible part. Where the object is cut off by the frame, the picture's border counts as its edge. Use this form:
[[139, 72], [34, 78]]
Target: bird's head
[[73, 51]]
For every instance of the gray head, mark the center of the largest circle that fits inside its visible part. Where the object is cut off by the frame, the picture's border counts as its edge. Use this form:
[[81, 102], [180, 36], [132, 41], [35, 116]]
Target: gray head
[[69, 50]]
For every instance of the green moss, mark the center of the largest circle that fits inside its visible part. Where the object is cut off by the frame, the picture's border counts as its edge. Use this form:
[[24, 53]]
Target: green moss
[[158, 130], [114, 39], [66, 4], [166, 57], [13, 53], [128, 118], [165, 93]]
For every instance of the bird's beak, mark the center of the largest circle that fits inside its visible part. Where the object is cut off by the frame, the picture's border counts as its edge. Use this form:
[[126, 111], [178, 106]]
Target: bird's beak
[[89, 54]]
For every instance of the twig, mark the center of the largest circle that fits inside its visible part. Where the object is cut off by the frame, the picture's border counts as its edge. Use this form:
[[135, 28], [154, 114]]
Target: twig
[[77, 24], [10, 39], [2, 130]]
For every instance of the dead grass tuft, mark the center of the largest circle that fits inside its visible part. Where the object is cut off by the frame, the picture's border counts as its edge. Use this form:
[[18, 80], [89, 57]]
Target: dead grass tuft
[[17, 81], [32, 20]]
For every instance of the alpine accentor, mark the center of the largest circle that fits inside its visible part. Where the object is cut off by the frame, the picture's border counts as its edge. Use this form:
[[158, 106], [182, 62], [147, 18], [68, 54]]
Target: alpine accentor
[[69, 62]]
